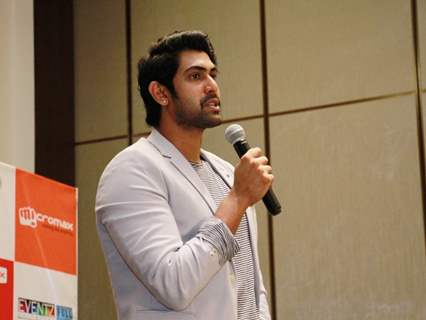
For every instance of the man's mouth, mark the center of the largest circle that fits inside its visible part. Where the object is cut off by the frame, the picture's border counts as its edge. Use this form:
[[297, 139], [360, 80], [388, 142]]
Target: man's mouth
[[212, 102]]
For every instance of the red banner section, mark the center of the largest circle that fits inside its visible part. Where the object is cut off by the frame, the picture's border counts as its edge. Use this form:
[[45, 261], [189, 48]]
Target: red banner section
[[45, 223], [6, 289]]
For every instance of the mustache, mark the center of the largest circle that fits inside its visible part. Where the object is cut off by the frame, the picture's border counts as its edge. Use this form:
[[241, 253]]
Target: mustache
[[209, 97]]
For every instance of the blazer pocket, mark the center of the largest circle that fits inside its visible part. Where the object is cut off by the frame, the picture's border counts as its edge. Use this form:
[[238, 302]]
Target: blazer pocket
[[162, 315]]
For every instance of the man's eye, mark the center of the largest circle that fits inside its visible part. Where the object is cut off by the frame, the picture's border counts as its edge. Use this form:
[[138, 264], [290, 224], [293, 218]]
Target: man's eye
[[195, 76]]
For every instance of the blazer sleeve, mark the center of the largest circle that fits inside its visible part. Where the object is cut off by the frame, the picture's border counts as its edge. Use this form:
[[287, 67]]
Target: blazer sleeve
[[132, 204]]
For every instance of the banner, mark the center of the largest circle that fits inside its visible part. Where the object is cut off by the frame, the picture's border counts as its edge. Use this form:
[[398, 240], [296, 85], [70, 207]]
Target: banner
[[38, 247]]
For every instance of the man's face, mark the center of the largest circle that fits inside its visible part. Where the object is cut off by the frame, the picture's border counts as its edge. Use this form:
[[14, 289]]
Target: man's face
[[197, 101]]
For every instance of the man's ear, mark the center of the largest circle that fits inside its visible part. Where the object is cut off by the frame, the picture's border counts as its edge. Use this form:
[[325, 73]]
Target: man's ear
[[158, 93]]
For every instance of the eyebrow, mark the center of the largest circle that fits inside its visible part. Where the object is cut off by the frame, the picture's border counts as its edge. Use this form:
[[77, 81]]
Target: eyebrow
[[200, 68]]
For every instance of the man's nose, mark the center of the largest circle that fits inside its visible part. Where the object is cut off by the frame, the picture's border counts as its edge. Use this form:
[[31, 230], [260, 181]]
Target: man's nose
[[211, 85]]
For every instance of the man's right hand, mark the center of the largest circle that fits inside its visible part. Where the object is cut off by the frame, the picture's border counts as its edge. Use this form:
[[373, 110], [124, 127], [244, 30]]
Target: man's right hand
[[252, 179]]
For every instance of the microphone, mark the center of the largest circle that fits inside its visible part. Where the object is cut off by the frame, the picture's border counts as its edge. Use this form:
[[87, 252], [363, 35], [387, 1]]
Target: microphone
[[236, 136]]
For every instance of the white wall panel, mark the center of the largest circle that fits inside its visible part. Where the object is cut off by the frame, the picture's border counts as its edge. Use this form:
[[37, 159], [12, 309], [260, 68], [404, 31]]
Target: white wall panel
[[17, 112]]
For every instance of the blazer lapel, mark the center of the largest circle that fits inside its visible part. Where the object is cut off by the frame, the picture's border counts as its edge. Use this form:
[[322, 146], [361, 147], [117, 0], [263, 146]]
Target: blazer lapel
[[168, 150], [226, 174]]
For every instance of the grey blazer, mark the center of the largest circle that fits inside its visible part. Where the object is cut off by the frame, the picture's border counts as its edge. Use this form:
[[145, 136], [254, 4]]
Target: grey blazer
[[150, 205]]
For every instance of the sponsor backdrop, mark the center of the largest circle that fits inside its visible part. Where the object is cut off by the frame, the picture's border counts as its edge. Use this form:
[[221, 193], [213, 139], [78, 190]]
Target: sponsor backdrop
[[38, 247]]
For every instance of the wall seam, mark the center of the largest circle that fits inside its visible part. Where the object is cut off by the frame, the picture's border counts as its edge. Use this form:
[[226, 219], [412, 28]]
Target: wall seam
[[79, 143], [420, 129], [344, 103], [261, 116], [265, 89]]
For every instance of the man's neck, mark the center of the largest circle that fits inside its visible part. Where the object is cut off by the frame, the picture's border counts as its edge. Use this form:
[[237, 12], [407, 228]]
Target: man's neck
[[186, 140]]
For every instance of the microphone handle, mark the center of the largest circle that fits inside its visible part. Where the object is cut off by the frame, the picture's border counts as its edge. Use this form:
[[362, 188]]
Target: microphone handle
[[269, 199]]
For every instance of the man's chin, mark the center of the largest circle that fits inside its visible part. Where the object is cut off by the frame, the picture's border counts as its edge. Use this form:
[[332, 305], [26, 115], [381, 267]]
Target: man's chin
[[214, 122], [202, 122]]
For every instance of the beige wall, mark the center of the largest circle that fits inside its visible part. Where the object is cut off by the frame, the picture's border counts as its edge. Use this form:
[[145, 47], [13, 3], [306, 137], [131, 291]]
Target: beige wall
[[100, 69], [94, 291], [421, 7], [17, 131], [344, 141]]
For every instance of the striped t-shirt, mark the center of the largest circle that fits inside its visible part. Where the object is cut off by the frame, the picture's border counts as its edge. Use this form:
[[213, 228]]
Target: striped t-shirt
[[242, 259]]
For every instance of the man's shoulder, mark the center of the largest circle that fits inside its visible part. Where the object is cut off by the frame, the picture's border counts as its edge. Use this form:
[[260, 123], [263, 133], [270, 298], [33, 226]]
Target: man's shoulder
[[140, 149], [138, 155]]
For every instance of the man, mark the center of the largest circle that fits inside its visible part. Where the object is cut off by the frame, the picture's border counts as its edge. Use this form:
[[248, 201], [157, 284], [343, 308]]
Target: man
[[176, 222]]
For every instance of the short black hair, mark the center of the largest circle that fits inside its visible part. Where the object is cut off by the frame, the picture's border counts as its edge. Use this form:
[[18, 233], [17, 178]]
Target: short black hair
[[162, 62]]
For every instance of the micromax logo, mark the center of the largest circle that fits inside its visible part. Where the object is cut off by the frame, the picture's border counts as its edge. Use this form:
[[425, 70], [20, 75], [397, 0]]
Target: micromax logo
[[30, 218], [3, 275]]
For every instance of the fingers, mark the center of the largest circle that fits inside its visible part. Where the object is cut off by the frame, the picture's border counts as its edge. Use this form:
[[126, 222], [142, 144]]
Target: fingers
[[254, 152], [266, 169], [256, 158], [257, 154], [253, 176], [267, 175]]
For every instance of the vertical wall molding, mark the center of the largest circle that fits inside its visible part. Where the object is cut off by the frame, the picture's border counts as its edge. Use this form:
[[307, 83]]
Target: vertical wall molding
[[129, 70], [54, 90], [265, 99], [420, 125]]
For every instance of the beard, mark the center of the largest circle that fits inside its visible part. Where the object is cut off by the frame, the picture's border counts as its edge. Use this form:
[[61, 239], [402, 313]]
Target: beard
[[198, 115]]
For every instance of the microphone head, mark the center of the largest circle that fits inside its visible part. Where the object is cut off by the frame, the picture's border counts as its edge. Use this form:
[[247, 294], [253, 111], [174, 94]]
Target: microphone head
[[235, 133]]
